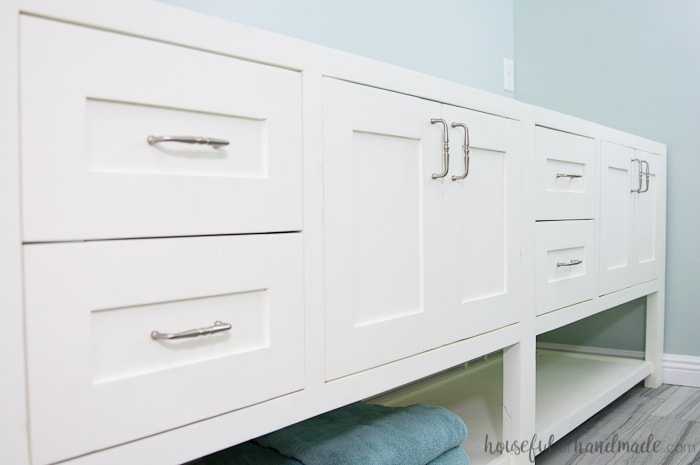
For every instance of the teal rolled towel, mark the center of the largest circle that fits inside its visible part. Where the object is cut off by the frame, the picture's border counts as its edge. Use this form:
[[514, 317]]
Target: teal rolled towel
[[367, 434], [248, 453], [455, 456]]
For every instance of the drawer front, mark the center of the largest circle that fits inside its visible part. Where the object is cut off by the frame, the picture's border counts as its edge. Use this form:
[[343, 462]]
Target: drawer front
[[97, 377], [565, 264], [566, 176], [91, 99]]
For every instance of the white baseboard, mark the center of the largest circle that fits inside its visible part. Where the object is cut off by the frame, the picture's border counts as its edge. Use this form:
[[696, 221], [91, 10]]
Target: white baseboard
[[681, 370]]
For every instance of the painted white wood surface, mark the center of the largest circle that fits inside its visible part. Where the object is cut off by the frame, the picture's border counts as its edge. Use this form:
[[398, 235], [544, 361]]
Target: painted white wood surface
[[96, 377], [573, 387], [629, 230], [382, 214], [558, 154], [88, 171], [200, 35], [481, 225], [558, 244]]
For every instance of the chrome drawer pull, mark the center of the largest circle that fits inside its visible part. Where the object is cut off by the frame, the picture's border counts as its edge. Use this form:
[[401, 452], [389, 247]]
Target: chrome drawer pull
[[570, 176], [571, 262], [465, 149], [216, 143], [445, 148], [218, 327]]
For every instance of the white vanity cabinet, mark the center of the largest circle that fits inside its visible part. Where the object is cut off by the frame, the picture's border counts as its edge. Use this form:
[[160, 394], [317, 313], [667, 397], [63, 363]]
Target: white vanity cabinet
[[632, 192], [417, 254], [335, 250]]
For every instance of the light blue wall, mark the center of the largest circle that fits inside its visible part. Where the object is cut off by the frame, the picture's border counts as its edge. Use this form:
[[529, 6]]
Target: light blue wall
[[460, 40], [634, 65]]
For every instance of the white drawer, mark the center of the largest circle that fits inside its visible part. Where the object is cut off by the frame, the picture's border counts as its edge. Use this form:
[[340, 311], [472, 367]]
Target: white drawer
[[97, 378], [566, 175], [565, 263], [90, 99]]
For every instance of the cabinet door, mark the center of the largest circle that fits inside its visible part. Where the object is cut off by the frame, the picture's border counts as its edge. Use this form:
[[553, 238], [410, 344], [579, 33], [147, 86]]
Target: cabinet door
[[481, 224], [618, 178], [382, 218], [646, 237]]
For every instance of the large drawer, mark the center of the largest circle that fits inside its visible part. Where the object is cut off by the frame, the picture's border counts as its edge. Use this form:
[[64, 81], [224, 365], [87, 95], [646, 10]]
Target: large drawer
[[90, 100], [97, 377], [566, 175], [566, 266]]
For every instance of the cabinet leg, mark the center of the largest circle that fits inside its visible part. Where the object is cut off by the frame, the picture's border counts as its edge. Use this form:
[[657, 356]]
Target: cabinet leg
[[519, 395], [654, 338]]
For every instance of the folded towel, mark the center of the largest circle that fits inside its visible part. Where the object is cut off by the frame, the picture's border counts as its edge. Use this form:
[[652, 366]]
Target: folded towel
[[367, 434], [455, 456], [248, 453]]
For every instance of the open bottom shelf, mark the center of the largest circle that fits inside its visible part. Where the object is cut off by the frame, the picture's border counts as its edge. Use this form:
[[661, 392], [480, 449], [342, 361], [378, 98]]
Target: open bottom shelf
[[474, 392], [572, 387]]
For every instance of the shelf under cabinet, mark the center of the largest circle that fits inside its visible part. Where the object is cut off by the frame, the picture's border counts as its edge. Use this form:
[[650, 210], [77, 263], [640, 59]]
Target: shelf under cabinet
[[474, 392], [572, 387]]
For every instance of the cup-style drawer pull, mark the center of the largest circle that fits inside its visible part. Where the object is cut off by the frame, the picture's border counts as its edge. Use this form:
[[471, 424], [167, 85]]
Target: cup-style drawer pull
[[570, 176], [216, 143], [569, 263], [218, 327]]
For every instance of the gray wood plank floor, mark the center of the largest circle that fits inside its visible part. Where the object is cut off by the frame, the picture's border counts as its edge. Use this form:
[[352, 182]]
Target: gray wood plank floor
[[644, 426]]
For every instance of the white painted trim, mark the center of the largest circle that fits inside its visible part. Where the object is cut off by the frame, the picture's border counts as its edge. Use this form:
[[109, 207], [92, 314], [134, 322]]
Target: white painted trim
[[681, 370], [638, 354]]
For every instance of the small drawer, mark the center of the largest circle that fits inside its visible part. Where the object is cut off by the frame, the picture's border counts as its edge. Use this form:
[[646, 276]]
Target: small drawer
[[96, 375], [91, 99], [565, 263], [566, 175]]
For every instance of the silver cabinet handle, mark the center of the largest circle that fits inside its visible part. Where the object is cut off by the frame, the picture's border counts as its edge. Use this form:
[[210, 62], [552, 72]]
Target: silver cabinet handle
[[445, 148], [646, 175], [465, 149], [570, 176], [216, 143], [571, 262], [218, 327], [639, 164]]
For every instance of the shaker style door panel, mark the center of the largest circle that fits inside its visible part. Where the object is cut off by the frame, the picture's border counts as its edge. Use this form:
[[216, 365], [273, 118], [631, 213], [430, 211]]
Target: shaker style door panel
[[618, 178], [481, 225], [633, 182], [565, 263], [566, 175], [105, 365], [382, 219], [91, 99], [646, 238]]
